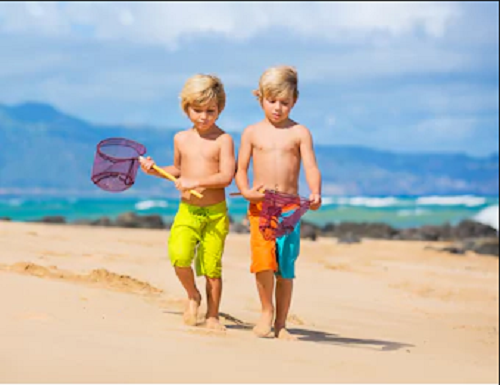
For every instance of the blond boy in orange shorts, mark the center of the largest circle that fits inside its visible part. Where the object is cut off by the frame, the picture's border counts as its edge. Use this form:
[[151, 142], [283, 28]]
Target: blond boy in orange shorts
[[277, 145]]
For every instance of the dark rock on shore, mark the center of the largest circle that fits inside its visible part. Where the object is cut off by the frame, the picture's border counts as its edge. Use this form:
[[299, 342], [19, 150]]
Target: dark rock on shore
[[485, 246], [446, 232], [472, 229], [133, 220], [53, 219], [309, 230], [360, 230]]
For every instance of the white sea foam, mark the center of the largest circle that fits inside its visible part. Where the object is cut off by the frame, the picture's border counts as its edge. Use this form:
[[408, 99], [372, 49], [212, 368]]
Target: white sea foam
[[148, 204], [461, 200], [369, 201], [488, 216], [327, 201]]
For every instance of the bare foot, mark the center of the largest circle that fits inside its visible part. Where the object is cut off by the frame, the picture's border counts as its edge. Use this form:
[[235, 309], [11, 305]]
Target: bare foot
[[190, 316], [283, 334], [263, 327], [214, 324]]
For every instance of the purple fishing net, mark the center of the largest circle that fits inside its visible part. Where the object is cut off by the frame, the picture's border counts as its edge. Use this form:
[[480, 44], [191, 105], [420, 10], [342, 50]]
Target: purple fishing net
[[280, 213], [116, 163]]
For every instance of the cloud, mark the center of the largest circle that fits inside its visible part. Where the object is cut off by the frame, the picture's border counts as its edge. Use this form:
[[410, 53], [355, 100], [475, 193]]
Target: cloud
[[165, 23], [33, 17], [440, 116], [371, 74]]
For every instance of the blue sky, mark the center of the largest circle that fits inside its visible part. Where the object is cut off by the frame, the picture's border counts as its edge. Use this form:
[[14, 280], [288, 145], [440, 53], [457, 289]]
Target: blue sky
[[399, 76]]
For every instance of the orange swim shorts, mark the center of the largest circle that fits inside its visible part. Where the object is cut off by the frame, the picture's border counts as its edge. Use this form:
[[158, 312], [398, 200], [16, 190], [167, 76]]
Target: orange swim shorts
[[277, 255]]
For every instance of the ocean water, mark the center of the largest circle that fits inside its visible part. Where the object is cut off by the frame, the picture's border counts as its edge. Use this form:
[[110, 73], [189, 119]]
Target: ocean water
[[399, 212]]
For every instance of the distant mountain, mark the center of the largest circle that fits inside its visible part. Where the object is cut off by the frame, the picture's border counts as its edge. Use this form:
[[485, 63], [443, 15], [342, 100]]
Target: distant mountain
[[44, 149]]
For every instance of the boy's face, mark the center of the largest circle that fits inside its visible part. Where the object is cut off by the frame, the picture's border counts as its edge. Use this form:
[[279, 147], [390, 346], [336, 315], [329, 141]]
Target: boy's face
[[204, 117], [277, 109]]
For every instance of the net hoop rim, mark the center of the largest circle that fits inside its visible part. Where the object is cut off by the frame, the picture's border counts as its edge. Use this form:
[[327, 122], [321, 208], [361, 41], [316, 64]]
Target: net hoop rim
[[138, 145], [299, 197]]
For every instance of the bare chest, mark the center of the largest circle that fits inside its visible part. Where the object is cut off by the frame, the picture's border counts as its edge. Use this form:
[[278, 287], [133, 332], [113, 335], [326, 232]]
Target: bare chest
[[197, 150], [276, 143]]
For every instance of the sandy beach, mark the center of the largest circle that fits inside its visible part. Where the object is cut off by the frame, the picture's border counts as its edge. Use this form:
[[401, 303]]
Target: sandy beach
[[90, 304]]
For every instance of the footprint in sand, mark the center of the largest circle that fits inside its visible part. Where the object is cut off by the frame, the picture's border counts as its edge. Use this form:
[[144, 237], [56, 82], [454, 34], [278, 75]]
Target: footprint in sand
[[206, 332], [295, 319], [101, 277]]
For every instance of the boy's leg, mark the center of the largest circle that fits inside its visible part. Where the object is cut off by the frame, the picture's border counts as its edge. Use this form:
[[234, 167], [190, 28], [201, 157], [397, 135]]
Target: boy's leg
[[288, 249], [181, 248], [284, 288], [265, 287], [263, 265], [214, 293], [186, 276], [209, 260]]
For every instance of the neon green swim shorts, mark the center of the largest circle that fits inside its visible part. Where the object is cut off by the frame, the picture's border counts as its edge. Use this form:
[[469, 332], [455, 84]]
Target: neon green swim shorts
[[202, 230]]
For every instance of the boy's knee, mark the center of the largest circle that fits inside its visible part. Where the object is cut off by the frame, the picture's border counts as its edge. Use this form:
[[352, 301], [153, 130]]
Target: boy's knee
[[213, 278], [280, 279], [180, 262], [212, 271], [180, 257], [286, 271]]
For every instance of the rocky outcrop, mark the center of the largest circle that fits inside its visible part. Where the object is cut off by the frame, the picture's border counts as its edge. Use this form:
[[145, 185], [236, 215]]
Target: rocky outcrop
[[468, 235]]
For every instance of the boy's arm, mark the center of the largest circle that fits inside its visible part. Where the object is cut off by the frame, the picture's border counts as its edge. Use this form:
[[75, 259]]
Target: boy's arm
[[244, 155], [175, 169], [313, 175], [225, 175]]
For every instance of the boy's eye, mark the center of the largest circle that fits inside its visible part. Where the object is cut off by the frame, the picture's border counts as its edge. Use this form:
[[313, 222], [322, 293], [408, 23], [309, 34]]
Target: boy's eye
[[199, 110]]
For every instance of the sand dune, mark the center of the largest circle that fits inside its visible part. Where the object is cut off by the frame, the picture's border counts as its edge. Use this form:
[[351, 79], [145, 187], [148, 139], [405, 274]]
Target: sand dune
[[103, 305]]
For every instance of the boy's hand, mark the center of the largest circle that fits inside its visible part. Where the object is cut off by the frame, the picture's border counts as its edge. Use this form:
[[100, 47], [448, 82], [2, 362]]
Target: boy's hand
[[185, 184], [315, 200], [146, 164], [254, 195]]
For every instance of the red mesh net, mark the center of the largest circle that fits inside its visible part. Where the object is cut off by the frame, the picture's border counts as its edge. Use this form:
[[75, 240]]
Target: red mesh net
[[280, 213], [116, 163]]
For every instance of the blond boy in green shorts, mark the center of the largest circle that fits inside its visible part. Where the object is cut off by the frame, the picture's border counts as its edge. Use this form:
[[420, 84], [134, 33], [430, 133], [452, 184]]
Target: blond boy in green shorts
[[204, 161]]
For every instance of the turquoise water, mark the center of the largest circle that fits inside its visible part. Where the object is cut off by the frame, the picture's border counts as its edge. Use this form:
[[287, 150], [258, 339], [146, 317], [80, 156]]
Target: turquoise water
[[399, 212]]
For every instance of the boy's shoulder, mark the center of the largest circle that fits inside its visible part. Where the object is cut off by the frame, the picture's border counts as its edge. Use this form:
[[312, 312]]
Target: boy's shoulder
[[221, 135], [224, 137], [179, 135], [300, 129], [252, 128]]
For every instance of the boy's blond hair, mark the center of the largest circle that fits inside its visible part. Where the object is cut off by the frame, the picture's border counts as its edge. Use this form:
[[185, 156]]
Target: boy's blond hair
[[200, 90], [278, 82]]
